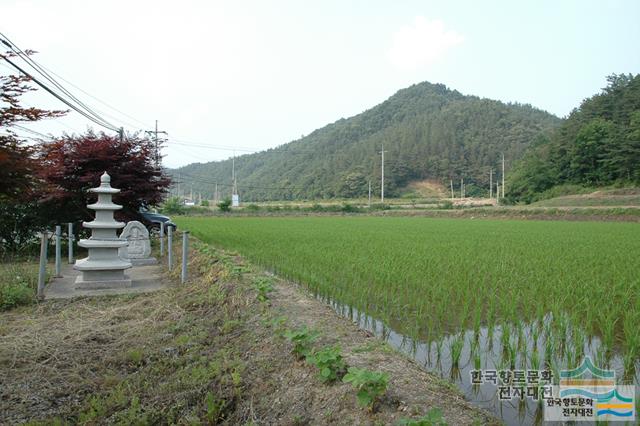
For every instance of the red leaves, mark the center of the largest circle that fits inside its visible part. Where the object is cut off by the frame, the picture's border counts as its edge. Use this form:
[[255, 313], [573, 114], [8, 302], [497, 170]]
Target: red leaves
[[11, 88], [72, 165]]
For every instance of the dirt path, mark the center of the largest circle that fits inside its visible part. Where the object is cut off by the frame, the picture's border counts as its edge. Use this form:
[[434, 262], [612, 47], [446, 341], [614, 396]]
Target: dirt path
[[412, 391]]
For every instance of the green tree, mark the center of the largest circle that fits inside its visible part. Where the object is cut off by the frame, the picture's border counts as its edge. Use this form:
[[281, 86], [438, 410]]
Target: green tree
[[173, 205], [623, 156], [353, 185], [225, 205], [589, 152]]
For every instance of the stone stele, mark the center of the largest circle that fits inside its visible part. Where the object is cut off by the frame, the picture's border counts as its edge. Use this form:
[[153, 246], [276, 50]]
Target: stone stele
[[139, 248]]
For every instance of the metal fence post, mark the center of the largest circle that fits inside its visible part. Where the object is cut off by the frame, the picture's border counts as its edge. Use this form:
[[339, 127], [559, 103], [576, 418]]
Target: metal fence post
[[58, 251], [185, 249], [161, 238], [42, 273], [71, 238], [170, 246]]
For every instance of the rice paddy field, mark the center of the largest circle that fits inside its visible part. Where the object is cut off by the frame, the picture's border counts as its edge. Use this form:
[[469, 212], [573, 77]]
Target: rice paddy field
[[464, 294]]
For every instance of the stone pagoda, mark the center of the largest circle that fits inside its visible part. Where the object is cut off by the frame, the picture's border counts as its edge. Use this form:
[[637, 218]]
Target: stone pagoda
[[103, 268]]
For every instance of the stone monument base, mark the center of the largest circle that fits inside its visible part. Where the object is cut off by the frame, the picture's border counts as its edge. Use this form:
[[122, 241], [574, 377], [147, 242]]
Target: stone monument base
[[144, 262], [106, 284]]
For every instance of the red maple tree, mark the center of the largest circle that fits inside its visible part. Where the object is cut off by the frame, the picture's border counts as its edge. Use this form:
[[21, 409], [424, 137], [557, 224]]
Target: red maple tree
[[73, 164], [20, 188], [17, 164]]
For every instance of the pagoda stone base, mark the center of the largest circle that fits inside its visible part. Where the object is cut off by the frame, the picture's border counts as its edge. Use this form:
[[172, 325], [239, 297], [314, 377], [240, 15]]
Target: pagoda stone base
[[144, 262], [93, 280]]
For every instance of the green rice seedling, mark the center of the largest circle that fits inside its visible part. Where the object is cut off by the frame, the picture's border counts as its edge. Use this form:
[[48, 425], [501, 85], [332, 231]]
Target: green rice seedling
[[631, 329], [477, 361], [455, 348], [571, 358], [490, 338], [439, 344], [602, 357], [520, 334], [534, 359], [607, 326], [505, 337], [383, 273], [512, 355], [535, 333], [548, 348]]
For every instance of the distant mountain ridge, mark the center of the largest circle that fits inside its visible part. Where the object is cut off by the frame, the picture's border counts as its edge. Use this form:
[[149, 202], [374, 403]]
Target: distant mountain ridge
[[428, 131]]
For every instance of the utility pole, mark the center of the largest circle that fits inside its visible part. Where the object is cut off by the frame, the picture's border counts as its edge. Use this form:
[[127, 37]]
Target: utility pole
[[157, 141], [369, 204], [451, 182], [503, 175], [461, 187], [235, 200], [382, 178], [491, 183], [498, 192], [234, 189]]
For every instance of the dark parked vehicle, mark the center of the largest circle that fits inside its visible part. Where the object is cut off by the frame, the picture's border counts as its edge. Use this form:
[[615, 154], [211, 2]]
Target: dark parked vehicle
[[153, 221]]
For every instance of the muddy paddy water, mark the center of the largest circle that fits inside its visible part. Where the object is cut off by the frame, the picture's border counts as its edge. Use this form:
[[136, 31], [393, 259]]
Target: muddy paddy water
[[489, 350]]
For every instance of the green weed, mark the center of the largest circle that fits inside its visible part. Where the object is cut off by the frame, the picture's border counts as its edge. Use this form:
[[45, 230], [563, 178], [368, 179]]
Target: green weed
[[330, 364], [370, 385], [264, 286], [302, 340]]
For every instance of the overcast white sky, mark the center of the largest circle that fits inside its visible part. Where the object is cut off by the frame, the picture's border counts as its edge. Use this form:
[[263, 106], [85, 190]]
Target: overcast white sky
[[256, 74]]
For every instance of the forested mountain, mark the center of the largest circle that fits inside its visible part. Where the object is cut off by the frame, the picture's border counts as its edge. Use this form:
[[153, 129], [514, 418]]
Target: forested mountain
[[598, 144], [428, 131]]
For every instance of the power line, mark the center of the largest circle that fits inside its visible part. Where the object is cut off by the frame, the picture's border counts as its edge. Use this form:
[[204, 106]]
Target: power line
[[25, 57], [245, 150], [101, 101], [33, 64], [207, 180], [57, 96], [79, 106], [33, 132]]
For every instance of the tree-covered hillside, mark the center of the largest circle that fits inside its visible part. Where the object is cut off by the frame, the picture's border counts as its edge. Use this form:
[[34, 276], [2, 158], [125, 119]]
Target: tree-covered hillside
[[598, 144], [428, 131]]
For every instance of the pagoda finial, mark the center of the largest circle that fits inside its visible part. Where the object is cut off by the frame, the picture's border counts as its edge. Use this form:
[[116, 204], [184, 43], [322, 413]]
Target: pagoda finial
[[105, 178]]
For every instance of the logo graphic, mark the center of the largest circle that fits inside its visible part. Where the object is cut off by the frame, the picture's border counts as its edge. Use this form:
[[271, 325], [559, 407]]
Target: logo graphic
[[590, 393]]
